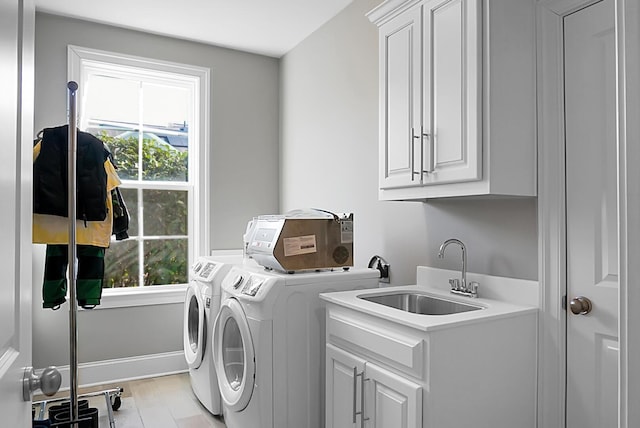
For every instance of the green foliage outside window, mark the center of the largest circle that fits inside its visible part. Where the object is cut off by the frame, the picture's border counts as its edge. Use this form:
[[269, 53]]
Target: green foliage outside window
[[160, 161], [165, 213]]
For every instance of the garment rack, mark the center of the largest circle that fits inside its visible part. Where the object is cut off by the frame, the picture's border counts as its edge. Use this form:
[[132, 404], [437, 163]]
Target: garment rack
[[72, 277]]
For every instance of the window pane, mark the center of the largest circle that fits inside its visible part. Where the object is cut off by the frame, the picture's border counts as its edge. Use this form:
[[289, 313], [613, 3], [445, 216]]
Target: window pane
[[164, 105], [121, 265], [124, 149], [162, 162], [165, 262], [110, 101], [130, 197], [165, 118], [165, 212]]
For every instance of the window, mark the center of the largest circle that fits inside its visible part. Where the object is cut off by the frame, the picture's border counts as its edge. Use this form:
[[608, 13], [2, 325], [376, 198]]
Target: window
[[152, 115]]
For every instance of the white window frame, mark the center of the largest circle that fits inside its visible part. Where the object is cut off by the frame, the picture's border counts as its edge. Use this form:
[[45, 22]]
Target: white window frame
[[81, 59]]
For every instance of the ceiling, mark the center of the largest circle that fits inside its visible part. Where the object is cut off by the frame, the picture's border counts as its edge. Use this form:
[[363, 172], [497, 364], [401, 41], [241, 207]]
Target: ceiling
[[267, 27]]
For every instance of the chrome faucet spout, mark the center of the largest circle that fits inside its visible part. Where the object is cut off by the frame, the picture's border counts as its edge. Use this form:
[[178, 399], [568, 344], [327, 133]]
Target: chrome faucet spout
[[462, 287]]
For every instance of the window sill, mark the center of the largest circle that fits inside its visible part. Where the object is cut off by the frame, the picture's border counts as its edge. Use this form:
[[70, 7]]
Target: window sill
[[139, 296]]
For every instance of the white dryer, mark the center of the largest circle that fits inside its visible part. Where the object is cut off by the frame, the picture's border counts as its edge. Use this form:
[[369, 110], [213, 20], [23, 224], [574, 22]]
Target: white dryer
[[269, 344], [202, 303]]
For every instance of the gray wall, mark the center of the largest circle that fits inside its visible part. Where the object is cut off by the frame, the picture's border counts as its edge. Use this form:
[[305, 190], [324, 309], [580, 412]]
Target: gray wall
[[328, 156], [329, 159], [244, 172]]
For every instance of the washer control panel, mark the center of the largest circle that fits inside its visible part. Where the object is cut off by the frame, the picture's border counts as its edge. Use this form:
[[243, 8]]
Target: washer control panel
[[252, 286], [247, 284], [204, 270]]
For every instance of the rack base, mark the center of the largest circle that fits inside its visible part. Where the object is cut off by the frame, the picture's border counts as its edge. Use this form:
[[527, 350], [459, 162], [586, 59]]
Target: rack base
[[109, 395]]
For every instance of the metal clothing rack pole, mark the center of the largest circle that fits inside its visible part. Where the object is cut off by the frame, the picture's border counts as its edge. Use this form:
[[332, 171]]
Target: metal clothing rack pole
[[73, 305], [72, 275]]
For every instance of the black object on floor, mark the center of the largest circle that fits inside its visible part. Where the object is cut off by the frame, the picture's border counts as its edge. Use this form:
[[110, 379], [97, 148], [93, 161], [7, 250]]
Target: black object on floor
[[65, 407], [88, 418]]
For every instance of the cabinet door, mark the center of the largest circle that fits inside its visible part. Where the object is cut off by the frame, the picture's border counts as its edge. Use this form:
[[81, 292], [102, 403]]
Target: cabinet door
[[391, 400], [343, 399], [400, 103], [452, 67]]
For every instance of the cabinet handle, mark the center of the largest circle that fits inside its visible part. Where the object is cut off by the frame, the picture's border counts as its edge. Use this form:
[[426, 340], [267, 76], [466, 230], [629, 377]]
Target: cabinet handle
[[414, 137], [355, 390], [355, 393], [422, 134], [431, 153], [362, 381]]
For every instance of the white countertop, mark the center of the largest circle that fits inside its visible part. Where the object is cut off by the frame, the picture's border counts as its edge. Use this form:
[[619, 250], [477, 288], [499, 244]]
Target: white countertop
[[491, 309]]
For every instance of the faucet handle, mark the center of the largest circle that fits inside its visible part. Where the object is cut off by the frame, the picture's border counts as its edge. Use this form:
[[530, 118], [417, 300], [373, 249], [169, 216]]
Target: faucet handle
[[455, 284], [473, 288]]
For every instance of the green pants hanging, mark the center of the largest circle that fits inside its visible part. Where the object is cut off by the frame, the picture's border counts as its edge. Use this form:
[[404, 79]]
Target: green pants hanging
[[88, 281]]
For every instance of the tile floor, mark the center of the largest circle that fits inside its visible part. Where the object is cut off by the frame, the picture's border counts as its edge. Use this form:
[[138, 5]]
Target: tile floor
[[161, 402]]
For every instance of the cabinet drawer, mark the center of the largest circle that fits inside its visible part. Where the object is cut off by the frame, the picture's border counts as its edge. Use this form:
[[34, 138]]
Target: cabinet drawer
[[404, 352]]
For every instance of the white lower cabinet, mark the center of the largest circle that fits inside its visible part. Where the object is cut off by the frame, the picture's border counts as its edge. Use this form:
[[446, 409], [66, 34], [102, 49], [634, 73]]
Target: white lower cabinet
[[362, 394], [382, 373]]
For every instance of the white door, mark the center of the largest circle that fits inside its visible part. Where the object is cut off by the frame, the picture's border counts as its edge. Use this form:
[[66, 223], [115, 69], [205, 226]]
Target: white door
[[16, 122], [592, 235]]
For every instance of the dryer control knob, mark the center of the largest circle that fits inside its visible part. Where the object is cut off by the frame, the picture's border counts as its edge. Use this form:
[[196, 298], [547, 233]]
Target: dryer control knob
[[237, 281]]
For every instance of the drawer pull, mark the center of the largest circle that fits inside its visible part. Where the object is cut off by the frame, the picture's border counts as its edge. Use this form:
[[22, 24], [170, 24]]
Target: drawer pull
[[355, 394]]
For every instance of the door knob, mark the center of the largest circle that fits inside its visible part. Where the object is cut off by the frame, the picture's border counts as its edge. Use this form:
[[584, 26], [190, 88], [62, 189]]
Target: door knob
[[580, 305], [48, 382]]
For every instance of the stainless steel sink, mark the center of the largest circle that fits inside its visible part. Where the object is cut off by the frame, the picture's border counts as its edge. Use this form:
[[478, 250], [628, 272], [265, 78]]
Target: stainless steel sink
[[420, 304]]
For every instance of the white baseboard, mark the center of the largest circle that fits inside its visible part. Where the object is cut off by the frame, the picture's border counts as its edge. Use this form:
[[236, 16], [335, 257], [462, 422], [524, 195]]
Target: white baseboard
[[123, 369]]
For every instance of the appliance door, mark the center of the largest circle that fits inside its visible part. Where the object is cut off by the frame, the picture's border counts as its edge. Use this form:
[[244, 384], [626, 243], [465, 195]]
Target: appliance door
[[233, 355], [194, 326]]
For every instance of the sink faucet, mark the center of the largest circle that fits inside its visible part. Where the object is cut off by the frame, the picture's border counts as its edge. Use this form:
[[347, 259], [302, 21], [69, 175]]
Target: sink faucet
[[460, 286]]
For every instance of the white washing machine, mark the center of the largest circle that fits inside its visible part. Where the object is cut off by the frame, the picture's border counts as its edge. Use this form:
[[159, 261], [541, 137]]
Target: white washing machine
[[269, 344], [202, 303]]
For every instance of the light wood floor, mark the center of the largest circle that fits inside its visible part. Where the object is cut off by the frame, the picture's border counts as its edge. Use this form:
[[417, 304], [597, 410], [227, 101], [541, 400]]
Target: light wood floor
[[161, 402]]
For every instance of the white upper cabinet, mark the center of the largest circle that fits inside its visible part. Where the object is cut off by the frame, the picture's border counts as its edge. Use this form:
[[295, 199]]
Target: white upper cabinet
[[457, 98]]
